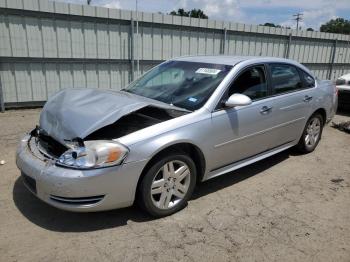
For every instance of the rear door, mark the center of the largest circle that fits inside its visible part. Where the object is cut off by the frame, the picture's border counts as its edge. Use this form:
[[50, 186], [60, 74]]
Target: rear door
[[292, 90]]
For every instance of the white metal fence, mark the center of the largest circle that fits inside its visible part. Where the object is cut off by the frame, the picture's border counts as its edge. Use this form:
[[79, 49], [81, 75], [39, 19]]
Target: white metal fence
[[46, 46]]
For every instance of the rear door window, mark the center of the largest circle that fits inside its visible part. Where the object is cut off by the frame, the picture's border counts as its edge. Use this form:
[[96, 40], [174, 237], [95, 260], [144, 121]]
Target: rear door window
[[285, 78]]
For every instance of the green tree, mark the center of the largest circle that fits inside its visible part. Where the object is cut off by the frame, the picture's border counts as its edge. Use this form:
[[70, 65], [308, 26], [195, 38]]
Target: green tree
[[338, 25], [197, 13], [310, 29], [274, 25], [179, 12], [271, 25]]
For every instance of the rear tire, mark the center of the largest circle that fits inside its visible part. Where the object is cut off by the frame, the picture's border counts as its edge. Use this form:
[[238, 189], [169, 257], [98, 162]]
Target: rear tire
[[167, 185], [312, 134]]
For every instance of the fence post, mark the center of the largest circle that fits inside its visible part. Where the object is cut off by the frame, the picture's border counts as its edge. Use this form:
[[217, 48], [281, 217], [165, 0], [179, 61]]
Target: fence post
[[288, 46], [2, 103], [224, 41], [132, 45], [332, 59]]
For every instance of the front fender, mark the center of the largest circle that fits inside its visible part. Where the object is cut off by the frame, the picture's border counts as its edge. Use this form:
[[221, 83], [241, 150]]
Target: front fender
[[196, 134]]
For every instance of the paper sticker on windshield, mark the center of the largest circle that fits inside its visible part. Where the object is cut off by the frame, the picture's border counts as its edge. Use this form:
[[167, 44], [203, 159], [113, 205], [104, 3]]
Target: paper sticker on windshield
[[192, 99], [208, 71]]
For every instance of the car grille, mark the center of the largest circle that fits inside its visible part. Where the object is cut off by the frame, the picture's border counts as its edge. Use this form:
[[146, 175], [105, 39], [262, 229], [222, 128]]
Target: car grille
[[29, 182], [77, 200], [50, 147]]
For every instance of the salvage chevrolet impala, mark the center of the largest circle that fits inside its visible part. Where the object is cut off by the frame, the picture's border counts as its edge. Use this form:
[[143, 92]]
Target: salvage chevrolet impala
[[185, 121]]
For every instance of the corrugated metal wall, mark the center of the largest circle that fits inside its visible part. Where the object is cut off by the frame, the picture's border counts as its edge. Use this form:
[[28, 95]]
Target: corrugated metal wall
[[46, 46]]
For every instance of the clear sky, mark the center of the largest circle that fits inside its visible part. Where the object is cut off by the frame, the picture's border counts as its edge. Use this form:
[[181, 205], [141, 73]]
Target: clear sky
[[280, 12]]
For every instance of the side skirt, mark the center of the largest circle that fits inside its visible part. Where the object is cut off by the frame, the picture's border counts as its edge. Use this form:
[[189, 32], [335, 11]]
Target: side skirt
[[247, 161]]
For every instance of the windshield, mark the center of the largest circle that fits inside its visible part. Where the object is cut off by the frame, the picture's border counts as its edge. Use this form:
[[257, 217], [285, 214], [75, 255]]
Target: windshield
[[183, 84], [340, 82]]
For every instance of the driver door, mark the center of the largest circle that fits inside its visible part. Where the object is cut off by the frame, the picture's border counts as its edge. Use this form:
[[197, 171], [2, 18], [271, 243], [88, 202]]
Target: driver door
[[243, 131]]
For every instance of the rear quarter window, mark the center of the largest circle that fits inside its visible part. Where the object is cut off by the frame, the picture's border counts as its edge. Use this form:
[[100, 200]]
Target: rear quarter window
[[308, 80]]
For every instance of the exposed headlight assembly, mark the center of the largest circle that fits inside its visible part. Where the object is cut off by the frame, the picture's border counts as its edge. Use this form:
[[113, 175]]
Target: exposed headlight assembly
[[94, 154]]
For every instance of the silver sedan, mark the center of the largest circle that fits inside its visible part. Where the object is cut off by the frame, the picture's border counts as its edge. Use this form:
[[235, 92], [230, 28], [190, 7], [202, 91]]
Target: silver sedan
[[185, 121]]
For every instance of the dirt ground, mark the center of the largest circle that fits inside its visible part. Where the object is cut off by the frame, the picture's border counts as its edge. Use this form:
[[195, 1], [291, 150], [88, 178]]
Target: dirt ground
[[288, 207]]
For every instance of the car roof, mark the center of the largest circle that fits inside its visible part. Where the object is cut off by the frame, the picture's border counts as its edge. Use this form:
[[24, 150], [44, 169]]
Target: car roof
[[233, 60], [214, 59]]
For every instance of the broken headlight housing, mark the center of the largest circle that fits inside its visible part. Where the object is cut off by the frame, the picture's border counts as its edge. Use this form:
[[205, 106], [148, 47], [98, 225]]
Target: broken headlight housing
[[94, 154]]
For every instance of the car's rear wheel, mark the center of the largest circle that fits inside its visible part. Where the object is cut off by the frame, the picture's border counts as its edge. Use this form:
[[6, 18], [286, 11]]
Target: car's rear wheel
[[167, 185], [312, 134]]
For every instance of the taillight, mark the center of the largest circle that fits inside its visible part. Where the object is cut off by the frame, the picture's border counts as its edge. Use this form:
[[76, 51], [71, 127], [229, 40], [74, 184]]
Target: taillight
[[335, 90]]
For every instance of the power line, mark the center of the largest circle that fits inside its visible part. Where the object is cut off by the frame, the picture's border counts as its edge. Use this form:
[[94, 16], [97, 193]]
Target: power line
[[298, 17]]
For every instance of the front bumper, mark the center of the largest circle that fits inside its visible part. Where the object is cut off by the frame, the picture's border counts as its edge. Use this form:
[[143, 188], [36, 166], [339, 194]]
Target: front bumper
[[77, 190]]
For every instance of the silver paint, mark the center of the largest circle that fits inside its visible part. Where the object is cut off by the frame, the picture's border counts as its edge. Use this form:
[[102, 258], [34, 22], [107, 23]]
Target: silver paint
[[227, 138]]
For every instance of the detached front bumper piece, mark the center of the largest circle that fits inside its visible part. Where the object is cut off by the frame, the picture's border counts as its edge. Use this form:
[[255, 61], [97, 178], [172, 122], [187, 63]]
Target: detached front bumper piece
[[77, 190]]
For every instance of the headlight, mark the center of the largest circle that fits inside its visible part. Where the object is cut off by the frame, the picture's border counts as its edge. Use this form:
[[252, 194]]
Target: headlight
[[94, 154]]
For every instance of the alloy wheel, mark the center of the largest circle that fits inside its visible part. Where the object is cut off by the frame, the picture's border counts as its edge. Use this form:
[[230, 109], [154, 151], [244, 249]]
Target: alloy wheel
[[170, 184], [313, 131]]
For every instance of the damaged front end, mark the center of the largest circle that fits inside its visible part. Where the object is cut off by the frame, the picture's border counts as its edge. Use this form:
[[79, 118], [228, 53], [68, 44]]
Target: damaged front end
[[77, 131], [77, 153], [135, 121], [75, 188], [73, 113]]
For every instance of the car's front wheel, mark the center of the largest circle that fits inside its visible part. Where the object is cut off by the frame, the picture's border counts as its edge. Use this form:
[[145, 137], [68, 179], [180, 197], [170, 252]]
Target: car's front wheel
[[312, 134], [167, 185]]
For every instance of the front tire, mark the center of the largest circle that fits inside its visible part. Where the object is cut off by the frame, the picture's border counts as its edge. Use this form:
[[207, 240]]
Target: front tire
[[312, 134], [167, 185]]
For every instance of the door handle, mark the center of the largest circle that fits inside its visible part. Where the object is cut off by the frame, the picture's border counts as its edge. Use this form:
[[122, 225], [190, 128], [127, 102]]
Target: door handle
[[307, 98], [265, 109]]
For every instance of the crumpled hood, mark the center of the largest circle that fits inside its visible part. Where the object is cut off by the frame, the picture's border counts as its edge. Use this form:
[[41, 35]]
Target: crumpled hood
[[73, 113]]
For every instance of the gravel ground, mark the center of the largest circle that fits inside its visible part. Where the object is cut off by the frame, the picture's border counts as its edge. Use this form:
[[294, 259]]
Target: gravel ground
[[288, 207]]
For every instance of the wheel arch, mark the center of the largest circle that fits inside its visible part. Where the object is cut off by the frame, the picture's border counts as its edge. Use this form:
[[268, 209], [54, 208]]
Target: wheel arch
[[322, 112], [183, 147]]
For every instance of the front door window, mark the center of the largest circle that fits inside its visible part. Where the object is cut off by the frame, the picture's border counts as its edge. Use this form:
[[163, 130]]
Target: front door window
[[251, 82]]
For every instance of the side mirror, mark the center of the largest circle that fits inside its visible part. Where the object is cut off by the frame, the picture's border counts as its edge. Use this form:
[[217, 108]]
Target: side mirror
[[238, 100]]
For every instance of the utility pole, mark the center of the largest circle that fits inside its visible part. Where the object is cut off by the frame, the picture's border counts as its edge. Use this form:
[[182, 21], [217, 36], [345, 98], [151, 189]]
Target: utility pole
[[298, 17]]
